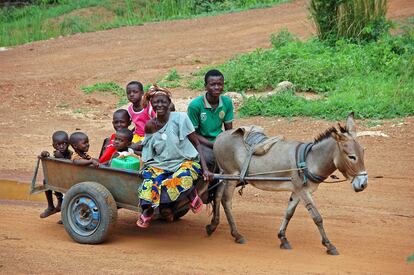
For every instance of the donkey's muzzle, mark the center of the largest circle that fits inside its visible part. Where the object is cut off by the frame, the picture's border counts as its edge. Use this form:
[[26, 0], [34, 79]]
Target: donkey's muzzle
[[360, 182]]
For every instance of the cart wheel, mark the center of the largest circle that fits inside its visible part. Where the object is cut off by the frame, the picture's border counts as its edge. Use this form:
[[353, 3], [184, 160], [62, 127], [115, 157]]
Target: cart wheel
[[88, 212], [181, 212]]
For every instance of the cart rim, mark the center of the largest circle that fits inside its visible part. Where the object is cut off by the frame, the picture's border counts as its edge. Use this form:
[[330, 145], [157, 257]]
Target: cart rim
[[84, 216]]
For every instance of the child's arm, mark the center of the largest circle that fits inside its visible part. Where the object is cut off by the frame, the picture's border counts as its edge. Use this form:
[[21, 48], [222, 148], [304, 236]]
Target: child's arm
[[136, 146], [150, 128], [85, 162]]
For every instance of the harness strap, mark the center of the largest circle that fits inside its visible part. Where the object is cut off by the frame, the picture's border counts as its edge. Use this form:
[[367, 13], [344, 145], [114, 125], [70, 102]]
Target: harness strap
[[251, 140], [302, 151], [245, 167]]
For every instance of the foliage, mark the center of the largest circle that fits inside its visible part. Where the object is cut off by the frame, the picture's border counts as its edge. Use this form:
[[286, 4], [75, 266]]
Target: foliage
[[410, 258], [104, 87], [376, 79], [324, 13], [360, 20], [282, 38], [45, 19], [172, 75], [109, 87]]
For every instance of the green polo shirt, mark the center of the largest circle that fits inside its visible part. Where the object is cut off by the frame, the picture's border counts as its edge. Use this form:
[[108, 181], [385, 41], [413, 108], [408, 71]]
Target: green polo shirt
[[207, 121]]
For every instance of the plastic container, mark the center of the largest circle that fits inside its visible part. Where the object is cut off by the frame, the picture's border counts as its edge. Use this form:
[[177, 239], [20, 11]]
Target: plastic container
[[127, 163]]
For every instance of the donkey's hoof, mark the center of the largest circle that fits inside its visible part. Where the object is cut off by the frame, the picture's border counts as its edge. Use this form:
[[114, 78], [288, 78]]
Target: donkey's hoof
[[210, 229], [240, 240], [332, 251], [285, 245]]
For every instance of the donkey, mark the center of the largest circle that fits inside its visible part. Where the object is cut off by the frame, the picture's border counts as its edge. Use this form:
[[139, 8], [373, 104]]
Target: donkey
[[306, 164]]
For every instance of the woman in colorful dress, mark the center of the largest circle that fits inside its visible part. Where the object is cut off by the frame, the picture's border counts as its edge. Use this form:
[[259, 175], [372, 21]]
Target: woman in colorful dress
[[172, 158]]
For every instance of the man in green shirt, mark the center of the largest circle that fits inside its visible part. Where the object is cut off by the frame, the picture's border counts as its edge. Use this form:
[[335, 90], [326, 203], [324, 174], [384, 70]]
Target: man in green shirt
[[209, 113]]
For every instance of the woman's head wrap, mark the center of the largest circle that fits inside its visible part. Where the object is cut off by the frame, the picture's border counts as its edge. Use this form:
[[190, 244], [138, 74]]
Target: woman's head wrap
[[153, 91]]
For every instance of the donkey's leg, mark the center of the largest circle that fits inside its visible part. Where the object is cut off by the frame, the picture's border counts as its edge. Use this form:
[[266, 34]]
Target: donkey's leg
[[317, 218], [290, 210], [215, 220], [227, 204]]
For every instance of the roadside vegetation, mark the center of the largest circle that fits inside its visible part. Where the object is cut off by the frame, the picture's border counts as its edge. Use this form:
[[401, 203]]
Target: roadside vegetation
[[44, 19], [107, 87], [376, 79], [366, 70]]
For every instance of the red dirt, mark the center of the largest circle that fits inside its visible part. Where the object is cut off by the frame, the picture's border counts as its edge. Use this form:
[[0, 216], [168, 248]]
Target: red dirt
[[372, 230]]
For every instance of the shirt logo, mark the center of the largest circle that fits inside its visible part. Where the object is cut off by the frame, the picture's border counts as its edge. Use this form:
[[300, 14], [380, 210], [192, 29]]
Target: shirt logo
[[203, 116], [221, 115]]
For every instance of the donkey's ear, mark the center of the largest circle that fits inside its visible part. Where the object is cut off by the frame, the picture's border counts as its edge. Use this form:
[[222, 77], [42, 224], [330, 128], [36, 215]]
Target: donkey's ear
[[338, 136], [350, 125]]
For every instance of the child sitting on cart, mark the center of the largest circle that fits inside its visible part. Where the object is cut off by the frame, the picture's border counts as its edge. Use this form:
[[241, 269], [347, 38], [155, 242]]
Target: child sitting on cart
[[120, 120], [80, 143], [60, 142], [122, 141], [139, 111]]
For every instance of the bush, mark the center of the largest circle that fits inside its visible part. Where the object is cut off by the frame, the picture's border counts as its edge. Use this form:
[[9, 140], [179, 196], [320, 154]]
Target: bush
[[282, 38], [375, 79], [358, 20]]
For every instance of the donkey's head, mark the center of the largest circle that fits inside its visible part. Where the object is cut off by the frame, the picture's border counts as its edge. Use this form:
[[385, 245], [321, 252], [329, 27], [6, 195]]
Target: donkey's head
[[349, 159]]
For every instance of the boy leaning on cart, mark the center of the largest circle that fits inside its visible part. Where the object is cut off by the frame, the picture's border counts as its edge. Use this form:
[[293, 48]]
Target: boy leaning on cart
[[60, 142]]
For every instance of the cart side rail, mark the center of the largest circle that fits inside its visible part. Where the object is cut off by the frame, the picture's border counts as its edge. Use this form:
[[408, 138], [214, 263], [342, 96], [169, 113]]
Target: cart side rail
[[62, 174]]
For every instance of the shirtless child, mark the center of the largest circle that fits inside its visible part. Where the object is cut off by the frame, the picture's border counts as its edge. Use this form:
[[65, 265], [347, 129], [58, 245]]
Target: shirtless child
[[60, 142], [80, 143]]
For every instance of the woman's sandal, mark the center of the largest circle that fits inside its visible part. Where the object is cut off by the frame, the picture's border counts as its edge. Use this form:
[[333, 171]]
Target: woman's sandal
[[143, 221], [196, 204]]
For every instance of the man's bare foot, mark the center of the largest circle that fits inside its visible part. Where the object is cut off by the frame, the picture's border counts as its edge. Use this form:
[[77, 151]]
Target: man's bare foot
[[167, 214], [48, 211]]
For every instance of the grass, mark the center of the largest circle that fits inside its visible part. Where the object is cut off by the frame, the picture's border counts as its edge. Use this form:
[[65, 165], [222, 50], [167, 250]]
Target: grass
[[372, 123], [171, 80], [108, 87], [375, 80], [42, 21], [410, 258]]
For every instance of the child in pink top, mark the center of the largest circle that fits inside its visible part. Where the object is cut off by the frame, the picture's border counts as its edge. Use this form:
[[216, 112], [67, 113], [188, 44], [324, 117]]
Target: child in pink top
[[140, 111]]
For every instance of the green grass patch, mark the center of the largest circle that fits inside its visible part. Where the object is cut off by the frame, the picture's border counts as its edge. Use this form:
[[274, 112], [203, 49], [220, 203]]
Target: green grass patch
[[376, 79], [108, 87], [410, 258], [65, 17], [171, 80], [104, 87]]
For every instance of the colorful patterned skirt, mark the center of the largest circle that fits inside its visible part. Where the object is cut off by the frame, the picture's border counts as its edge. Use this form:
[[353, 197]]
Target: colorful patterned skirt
[[162, 186]]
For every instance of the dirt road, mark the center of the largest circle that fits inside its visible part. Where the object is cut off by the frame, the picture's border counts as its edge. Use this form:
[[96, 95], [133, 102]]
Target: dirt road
[[40, 93]]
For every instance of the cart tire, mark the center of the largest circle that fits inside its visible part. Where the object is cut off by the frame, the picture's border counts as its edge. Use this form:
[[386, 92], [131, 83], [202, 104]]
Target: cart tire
[[88, 212], [181, 212]]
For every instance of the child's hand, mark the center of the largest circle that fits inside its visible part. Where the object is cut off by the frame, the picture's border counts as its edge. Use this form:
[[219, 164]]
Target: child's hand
[[45, 154], [95, 163]]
